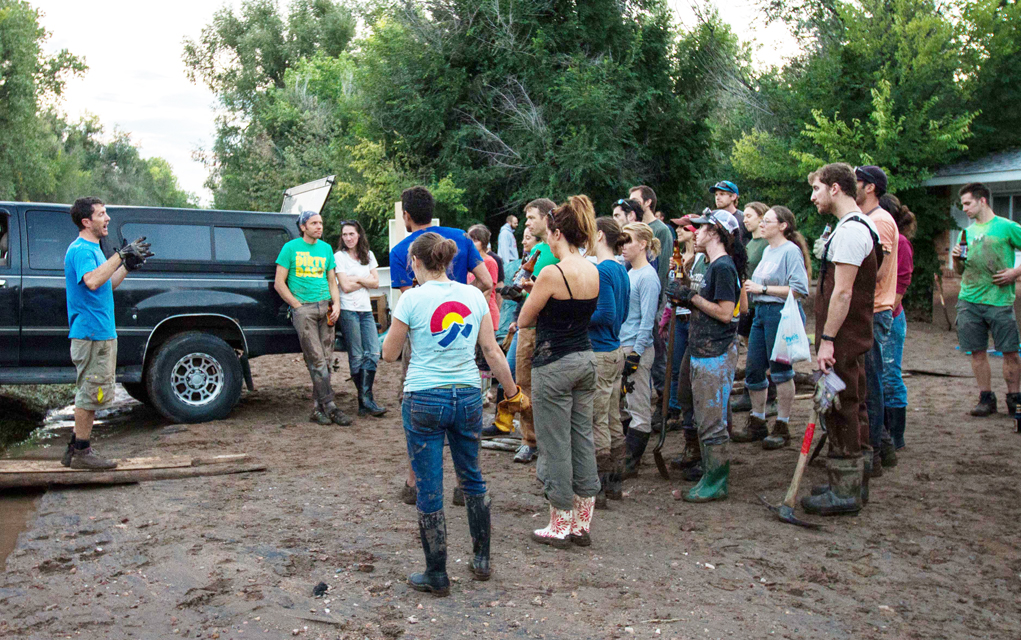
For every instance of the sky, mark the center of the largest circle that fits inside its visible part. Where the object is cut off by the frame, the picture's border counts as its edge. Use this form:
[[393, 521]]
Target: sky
[[136, 80]]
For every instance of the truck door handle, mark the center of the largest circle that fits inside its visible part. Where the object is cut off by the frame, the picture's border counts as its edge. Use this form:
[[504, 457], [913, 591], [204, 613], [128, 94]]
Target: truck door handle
[[3, 283]]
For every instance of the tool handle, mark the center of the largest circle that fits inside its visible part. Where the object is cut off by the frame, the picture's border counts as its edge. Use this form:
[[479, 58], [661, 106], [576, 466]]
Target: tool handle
[[806, 447]]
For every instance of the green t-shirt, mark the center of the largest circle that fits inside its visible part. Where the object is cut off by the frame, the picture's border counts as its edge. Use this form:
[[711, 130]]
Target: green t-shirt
[[666, 251], [754, 248], [546, 258], [307, 265], [990, 249]]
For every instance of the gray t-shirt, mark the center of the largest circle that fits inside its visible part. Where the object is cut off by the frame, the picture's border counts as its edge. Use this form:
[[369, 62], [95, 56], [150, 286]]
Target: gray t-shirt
[[783, 266], [666, 250]]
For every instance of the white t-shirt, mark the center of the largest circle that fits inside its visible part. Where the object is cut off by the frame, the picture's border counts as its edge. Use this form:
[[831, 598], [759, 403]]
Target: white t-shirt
[[852, 242], [356, 300], [443, 321]]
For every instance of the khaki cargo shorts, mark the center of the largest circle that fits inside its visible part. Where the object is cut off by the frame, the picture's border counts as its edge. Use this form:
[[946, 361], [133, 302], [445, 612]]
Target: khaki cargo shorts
[[96, 361]]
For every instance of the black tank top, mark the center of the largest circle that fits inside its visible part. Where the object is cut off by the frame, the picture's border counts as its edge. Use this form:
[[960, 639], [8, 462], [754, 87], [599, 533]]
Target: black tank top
[[562, 327]]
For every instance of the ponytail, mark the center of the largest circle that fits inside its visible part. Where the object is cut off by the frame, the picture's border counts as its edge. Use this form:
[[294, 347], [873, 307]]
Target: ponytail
[[785, 215], [434, 251], [576, 221], [613, 234]]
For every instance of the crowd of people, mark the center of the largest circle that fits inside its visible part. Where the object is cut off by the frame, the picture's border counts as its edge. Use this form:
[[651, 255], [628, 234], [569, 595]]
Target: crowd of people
[[584, 315]]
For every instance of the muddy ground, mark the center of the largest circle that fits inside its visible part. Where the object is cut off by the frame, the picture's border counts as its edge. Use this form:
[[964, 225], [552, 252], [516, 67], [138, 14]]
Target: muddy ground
[[935, 555]]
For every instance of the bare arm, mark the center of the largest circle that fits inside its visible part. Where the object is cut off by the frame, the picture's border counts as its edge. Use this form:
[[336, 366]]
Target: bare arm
[[370, 281], [722, 311], [394, 342], [97, 277], [541, 291], [118, 277], [331, 279], [483, 280], [494, 354], [897, 300], [280, 285]]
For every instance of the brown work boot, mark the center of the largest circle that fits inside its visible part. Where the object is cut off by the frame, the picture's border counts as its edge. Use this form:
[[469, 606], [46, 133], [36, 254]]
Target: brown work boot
[[319, 417], [692, 453], [755, 429], [89, 459], [779, 437], [986, 405]]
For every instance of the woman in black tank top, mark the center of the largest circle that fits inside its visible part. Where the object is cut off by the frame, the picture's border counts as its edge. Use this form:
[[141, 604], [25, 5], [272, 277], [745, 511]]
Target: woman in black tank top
[[560, 306]]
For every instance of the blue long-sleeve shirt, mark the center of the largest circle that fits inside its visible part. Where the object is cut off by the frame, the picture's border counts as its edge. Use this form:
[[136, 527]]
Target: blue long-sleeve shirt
[[612, 307], [636, 331]]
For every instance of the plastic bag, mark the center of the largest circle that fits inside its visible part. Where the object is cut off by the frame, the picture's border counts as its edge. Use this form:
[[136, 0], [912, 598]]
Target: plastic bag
[[791, 340]]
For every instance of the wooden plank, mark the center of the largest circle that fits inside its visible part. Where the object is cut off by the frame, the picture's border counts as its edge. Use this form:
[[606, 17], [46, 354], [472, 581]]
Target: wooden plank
[[126, 464], [77, 477]]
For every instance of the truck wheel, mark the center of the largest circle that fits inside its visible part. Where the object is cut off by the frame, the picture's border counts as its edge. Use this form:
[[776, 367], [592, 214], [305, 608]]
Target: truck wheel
[[137, 391], [194, 377]]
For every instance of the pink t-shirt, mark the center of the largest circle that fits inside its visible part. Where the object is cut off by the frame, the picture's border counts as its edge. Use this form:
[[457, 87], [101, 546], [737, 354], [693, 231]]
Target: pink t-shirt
[[494, 271]]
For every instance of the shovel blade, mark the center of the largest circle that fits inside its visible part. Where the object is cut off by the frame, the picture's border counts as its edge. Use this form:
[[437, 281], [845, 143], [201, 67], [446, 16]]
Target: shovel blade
[[786, 514], [657, 455]]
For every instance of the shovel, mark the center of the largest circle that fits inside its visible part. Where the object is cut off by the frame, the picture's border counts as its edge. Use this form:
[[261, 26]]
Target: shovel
[[657, 454], [827, 389]]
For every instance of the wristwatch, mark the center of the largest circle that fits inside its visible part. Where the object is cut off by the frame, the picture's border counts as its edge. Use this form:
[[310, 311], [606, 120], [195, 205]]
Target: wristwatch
[[764, 287], [826, 337]]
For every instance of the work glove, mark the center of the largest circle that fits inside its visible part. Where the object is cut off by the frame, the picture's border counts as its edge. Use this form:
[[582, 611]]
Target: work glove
[[517, 403], [826, 393], [511, 293], [680, 294], [818, 248], [134, 254], [627, 385]]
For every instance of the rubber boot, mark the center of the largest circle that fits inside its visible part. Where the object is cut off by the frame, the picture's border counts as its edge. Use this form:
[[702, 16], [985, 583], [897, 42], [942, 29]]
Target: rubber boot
[[715, 475], [601, 496], [66, 459], [480, 525], [581, 521], [356, 378], [743, 403], [755, 429], [636, 442], [432, 529], [557, 531], [692, 453], [779, 437], [366, 401], [820, 489], [845, 493], [615, 478], [986, 405], [899, 415]]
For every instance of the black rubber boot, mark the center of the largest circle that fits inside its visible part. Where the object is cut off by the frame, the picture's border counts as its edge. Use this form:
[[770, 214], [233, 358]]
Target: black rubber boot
[[986, 405], [900, 416], [615, 478], [365, 400], [356, 378], [820, 489], [636, 442], [432, 528], [845, 489], [479, 524], [601, 496], [66, 459]]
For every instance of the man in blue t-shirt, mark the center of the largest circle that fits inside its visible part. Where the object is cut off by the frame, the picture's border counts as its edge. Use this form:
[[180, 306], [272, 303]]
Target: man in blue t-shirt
[[90, 279], [418, 206]]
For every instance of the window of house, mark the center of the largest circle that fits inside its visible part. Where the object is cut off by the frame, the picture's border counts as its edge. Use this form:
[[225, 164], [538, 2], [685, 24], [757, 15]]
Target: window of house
[[1007, 205]]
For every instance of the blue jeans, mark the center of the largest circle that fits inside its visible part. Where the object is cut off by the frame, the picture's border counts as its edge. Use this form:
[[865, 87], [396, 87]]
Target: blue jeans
[[431, 416], [360, 339], [895, 394], [874, 379], [680, 346], [760, 348], [512, 355]]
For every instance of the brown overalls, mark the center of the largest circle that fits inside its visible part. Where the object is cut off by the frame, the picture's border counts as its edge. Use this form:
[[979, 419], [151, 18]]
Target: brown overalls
[[848, 427]]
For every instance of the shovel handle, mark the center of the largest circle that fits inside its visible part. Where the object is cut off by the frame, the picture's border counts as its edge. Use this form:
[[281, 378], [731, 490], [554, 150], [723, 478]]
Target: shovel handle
[[806, 447]]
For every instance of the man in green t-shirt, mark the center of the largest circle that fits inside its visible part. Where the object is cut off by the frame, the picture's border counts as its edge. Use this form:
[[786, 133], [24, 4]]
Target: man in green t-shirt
[[305, 280], [535, 220], [986, 302]]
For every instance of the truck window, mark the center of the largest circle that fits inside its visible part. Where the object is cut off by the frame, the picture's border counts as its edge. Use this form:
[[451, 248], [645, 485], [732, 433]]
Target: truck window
[[172, 241], [49, 234], [5, 241], [254, 245]]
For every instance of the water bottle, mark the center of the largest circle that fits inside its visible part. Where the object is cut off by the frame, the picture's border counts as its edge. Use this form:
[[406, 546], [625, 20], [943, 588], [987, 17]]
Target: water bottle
[[826, 232]]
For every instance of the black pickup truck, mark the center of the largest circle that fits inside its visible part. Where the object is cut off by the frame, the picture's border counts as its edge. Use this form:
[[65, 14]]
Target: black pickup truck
[[187, 322]]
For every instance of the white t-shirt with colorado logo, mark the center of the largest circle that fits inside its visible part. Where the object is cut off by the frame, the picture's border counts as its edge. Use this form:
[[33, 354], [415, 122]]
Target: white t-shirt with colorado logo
[[443, 321]]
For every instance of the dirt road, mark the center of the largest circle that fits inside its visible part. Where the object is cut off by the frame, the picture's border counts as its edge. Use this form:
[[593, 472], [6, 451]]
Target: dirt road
[[935, 555]]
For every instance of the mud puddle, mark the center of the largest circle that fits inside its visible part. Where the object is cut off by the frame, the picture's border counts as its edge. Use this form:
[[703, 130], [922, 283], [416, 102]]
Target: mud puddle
[[18, 508]]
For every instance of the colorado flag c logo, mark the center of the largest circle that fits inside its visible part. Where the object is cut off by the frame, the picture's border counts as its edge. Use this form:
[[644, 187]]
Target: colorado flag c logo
[[450, 318]]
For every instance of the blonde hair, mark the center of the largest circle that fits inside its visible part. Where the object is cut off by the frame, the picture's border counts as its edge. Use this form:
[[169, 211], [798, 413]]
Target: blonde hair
[[643, 233]]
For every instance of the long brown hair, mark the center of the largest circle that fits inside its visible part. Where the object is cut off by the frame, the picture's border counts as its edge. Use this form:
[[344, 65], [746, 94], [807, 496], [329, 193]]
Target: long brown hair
[[785, 215], [612, 232], [907, 224], [576, 221], [362, 247]]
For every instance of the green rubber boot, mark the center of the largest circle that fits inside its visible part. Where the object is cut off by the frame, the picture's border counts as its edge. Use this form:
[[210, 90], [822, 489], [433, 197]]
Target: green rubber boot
[[715, 475]]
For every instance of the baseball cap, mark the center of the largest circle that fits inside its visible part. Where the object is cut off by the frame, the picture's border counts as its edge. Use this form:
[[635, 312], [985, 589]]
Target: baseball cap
[[872, 174], [724, 185], [684, 222], [723, 219]]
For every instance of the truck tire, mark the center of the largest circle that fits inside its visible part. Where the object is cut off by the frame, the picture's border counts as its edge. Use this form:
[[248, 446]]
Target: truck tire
[[194, 377], [137, 391]]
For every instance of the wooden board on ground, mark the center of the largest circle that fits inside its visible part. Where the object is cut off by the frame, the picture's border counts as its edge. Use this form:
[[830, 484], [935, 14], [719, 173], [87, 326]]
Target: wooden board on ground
[[41, 473]]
